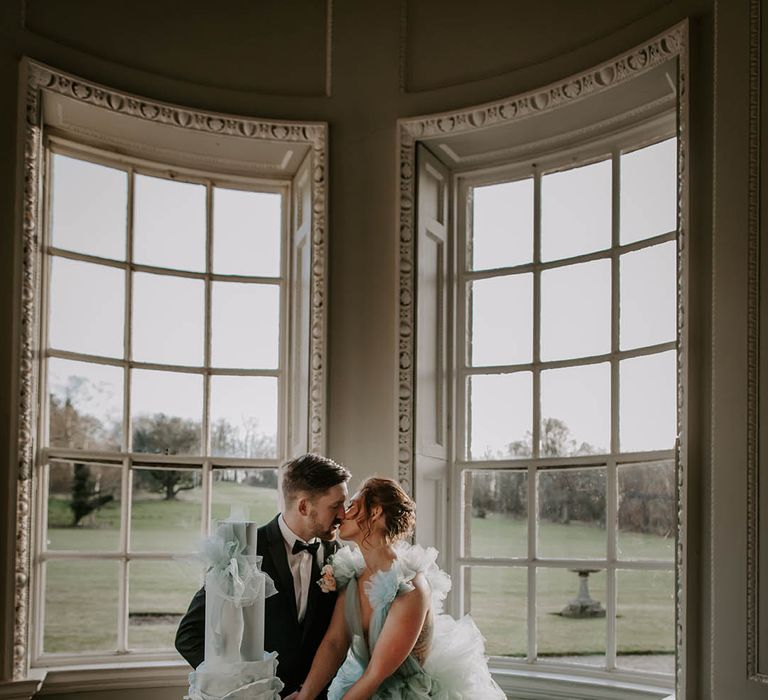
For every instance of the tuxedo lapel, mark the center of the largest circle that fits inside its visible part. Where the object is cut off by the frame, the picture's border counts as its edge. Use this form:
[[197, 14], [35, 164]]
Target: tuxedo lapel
[[314, 598], [276, 550]]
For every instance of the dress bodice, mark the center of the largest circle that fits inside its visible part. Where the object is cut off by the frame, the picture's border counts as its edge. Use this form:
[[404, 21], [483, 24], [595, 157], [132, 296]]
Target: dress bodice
[[453, 668]]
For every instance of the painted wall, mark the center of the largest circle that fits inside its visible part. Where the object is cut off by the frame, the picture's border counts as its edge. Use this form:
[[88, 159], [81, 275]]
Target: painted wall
[[360, 66]]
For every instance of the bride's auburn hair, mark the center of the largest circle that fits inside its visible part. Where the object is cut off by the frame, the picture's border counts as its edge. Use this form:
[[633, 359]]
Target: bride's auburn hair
[[397, 508]]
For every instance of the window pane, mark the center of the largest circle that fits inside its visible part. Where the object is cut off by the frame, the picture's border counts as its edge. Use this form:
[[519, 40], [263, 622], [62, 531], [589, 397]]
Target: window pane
[[647, 511], [246, 325], [502, 225], [576, 211], [169, 223], [86, 405], [648, 403], [575, 409], [244, 416], [89, 204], [499, 507], [576, 310], [649, 191], [166, 412], [78, 590], [83, 506], [646, 620], [159, 593], [246, 232], [502, 320], [168, 319], [570, 615], [496, 599], [86, 308], [648, 296], [166, 513], [500, 412], [255, 490], [572, 513]]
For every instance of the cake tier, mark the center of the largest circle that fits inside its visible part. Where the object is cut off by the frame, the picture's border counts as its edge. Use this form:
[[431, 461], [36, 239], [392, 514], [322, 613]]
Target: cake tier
[[246, 680]]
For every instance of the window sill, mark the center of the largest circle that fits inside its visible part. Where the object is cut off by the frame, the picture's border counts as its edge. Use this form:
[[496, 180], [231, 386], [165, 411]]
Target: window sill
[[535, 684], [517, 683], [20, 690], [92, 677]]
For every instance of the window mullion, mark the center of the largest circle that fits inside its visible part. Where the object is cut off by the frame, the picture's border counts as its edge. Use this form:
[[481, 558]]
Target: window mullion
[[126, 477], [207, 476], [284, 395], [207, 496], [128, 320], [611, 477], [533, 507], [611, 589], [123, 571], [206, 433], [536, 427]]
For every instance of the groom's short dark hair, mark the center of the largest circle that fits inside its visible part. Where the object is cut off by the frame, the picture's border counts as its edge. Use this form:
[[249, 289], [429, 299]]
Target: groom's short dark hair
[[313, 474]]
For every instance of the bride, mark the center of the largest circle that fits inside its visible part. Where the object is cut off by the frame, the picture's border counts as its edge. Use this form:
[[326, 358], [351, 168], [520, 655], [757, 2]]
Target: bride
[[388, 638]]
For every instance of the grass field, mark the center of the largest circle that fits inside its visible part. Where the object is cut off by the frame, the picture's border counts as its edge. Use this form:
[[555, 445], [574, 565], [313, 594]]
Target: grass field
[[159, 591]]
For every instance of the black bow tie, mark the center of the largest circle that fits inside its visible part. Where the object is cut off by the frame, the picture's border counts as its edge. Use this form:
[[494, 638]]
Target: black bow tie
[[299, 546]]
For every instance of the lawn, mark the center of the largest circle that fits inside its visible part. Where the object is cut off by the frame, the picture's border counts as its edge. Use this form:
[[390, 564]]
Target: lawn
[[159, 591], [497, 596]]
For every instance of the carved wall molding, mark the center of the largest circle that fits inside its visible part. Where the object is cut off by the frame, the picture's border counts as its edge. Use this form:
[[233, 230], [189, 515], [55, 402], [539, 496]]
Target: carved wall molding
[[681, 448], [753, 351], [561, 93], [665, 47], [40, 79]]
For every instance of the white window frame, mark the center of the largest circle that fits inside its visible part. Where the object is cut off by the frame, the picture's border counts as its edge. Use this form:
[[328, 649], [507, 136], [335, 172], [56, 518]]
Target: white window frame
[[608, 148], [302, 391], [126, 457], [425, 459]]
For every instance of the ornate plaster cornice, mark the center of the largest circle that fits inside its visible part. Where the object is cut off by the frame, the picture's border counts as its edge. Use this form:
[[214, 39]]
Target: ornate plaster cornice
[[40, 79], [559, 94]]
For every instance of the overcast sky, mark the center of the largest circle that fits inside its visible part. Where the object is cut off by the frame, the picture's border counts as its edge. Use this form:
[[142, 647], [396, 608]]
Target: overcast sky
[[89, 206]]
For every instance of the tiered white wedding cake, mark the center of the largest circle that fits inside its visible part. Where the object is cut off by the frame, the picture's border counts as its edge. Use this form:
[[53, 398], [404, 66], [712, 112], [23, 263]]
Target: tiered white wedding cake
[[236, 666]]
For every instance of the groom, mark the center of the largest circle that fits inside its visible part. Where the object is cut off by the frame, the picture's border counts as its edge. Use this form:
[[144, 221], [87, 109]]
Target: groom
[[295, 545]]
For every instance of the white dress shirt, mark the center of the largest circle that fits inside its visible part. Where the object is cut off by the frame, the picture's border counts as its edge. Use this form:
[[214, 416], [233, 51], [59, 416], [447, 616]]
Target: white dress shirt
[[300, 565]]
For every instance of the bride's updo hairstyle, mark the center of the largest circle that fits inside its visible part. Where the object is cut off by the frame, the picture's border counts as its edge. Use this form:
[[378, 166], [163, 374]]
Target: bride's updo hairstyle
[[398, 509]]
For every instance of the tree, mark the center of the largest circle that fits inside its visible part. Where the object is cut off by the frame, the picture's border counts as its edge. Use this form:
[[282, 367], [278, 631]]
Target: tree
[[564, 494], [248, 441], [162, 434], [71, 428], [169, 482], [85, 497]]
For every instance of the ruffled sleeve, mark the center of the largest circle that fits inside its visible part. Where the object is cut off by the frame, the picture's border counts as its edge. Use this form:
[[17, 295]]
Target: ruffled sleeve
[[347, 563], [384, 586]]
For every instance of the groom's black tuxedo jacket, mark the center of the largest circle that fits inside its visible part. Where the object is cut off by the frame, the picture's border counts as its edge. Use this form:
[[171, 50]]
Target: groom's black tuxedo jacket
[[295, 643]]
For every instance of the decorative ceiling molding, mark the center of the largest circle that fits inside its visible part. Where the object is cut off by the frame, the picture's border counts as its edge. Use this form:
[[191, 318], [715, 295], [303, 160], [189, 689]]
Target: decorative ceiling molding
[[39, 79]]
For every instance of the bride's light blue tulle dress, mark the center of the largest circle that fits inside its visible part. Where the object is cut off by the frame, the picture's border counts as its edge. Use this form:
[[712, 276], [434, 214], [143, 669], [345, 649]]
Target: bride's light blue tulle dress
[[455, 667]]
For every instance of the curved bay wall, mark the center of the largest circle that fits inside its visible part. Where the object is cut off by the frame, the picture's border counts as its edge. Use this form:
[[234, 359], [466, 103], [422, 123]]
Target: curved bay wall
[[360, 67]]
